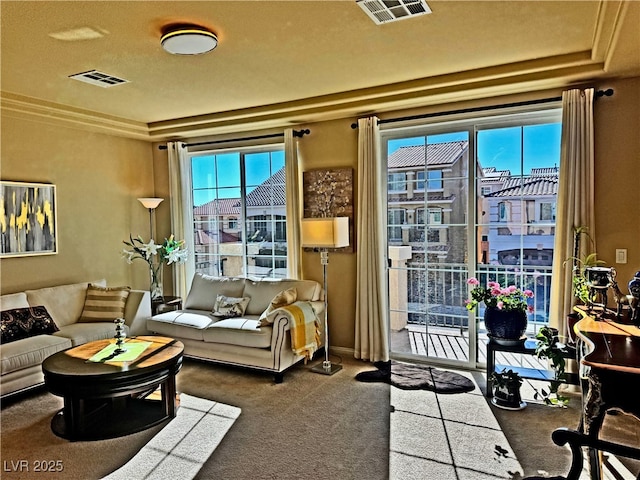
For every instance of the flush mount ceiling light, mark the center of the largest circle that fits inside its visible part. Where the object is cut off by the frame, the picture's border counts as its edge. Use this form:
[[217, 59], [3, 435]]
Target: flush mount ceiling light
[[188, 40]]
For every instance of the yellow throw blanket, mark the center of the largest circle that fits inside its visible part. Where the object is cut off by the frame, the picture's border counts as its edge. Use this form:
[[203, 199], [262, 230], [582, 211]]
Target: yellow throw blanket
[[304, 327]]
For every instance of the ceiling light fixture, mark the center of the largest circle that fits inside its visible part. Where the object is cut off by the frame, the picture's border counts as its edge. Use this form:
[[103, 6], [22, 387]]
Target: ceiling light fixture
[[188, 40]]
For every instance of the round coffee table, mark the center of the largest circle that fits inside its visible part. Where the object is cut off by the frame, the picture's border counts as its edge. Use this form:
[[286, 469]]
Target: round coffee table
[[104, 398]]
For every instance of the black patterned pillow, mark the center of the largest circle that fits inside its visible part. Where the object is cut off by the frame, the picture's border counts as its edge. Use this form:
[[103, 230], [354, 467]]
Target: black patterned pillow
[[22, 323], [229, 307]]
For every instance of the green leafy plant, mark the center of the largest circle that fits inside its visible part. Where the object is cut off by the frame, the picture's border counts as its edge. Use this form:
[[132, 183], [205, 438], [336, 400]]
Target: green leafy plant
[[506, 379], [579, 279], [548, 347]]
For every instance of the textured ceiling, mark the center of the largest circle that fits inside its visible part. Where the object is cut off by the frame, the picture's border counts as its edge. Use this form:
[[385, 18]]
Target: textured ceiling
[[282, 62]]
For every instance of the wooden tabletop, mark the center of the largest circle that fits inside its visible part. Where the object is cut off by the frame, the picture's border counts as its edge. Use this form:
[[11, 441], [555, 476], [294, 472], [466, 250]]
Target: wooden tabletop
[[613, 345], [75, 360]]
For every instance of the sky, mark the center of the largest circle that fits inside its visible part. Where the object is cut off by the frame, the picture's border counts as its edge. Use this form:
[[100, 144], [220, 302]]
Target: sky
[[223, 171], [504, 148]]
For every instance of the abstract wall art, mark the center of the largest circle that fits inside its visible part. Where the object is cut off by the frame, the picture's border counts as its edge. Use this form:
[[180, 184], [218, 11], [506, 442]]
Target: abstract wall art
[[27, 219]]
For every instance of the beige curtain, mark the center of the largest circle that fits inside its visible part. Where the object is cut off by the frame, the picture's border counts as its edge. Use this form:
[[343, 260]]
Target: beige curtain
[[372, 332], [293, 182], [575, 207], [181, 221]]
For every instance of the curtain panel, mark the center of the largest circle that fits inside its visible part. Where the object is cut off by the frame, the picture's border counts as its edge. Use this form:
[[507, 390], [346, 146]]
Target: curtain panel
[[371, 322], [293, 181], [575, 207], [181, 221]]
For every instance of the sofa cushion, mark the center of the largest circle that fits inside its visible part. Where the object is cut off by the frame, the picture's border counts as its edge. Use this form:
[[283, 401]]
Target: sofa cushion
[[13, 300], [262, 292], [80, 333], [63, 302], [285, 297], [104, 304], [229, 307], [20, 323], [180, 324], [239, 331], [30, 352], [205, 289]]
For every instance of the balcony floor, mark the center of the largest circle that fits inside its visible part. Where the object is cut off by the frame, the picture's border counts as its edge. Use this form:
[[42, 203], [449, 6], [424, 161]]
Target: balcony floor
[[452, 343]]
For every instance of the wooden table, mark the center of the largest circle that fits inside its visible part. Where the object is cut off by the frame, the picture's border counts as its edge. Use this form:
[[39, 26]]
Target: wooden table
[[109, 398], [609, 354]]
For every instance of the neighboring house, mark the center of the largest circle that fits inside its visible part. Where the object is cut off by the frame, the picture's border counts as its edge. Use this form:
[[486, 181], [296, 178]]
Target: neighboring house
[[437, 176], [218, 230], [520, 215]]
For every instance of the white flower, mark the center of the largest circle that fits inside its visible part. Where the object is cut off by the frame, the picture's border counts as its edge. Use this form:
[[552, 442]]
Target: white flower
[[150, 248], [177, 256], [128, 255]]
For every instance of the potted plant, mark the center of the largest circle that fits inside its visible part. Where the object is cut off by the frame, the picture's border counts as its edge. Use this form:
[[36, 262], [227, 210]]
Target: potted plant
[[506, 390], [505, 315], [551, 348]]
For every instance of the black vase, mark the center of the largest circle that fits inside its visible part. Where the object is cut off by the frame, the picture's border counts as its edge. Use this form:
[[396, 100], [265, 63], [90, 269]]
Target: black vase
[[505, 327]]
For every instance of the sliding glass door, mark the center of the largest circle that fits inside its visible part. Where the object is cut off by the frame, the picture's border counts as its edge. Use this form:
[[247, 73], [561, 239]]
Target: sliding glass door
[[427, 239], [474, 198]]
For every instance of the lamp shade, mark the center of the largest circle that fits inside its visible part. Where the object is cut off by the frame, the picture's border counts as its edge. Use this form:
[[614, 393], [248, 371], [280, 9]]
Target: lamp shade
[[150, 203], [330, 232]]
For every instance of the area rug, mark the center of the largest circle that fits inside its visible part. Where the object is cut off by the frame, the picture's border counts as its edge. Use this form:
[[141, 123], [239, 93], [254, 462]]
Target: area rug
[[417, 377], [181, 448]]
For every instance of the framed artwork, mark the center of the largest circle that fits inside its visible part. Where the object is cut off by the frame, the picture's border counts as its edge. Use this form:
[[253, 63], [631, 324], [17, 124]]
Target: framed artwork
[[329, 193], [28, 216]]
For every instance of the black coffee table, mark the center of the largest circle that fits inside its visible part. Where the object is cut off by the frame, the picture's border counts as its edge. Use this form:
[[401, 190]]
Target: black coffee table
[[109, 398]]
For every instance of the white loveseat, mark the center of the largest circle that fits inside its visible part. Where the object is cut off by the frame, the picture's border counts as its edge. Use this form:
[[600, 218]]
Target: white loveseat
[[20, 365], [239, 341]]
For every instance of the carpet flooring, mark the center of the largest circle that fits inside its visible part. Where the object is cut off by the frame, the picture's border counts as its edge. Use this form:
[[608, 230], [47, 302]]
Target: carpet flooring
[[310, 426], [181, 448]]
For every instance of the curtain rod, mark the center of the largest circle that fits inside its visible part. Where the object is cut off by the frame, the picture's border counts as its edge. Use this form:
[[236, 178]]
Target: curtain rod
[[296, 133], [599, 93]]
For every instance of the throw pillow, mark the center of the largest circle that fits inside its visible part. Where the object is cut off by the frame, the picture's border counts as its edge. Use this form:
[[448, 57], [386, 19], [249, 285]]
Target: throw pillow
[[104, 304], [20, 323], [285, 297], [228, 307]]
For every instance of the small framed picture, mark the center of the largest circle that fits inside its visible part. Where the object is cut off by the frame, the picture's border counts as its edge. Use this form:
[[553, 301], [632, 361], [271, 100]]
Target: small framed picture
[[28, 216]]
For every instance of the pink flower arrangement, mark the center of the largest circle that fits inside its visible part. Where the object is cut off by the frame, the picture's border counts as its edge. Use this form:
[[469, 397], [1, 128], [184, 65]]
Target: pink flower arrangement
[[495, 296]]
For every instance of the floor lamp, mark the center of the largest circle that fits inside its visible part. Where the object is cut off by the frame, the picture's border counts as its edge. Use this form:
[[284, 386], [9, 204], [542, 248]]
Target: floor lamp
[[323, 234], [151, 204]]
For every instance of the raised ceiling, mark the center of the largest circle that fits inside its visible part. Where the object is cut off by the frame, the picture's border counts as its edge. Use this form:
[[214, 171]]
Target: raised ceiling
[[288, 62]]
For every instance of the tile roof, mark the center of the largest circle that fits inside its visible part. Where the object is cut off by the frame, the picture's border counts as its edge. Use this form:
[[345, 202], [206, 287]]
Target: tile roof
[[269, 192], [259, 197], [437, 154], [527, 186], [221, 206]]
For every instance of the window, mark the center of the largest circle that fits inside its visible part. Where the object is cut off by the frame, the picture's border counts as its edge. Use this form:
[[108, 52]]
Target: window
[[547, 212], [396, 218], [434, 179], [420, 180], [239, 212], [435, 216], [397, 182], [504, 211]]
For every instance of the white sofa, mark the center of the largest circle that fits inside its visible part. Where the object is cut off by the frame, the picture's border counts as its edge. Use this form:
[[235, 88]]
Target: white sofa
[[239, 341], [20, 366]]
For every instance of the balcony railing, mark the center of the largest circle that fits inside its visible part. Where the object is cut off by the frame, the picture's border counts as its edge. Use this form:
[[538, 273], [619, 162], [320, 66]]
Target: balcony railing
[[435, 296]]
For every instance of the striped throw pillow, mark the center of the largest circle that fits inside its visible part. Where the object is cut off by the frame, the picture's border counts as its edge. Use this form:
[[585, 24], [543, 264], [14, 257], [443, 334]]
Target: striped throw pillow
[[104, 304]]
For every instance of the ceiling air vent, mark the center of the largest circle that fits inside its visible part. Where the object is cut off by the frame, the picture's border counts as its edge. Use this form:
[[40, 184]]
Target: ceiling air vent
[[100, 79], [385, 11]]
